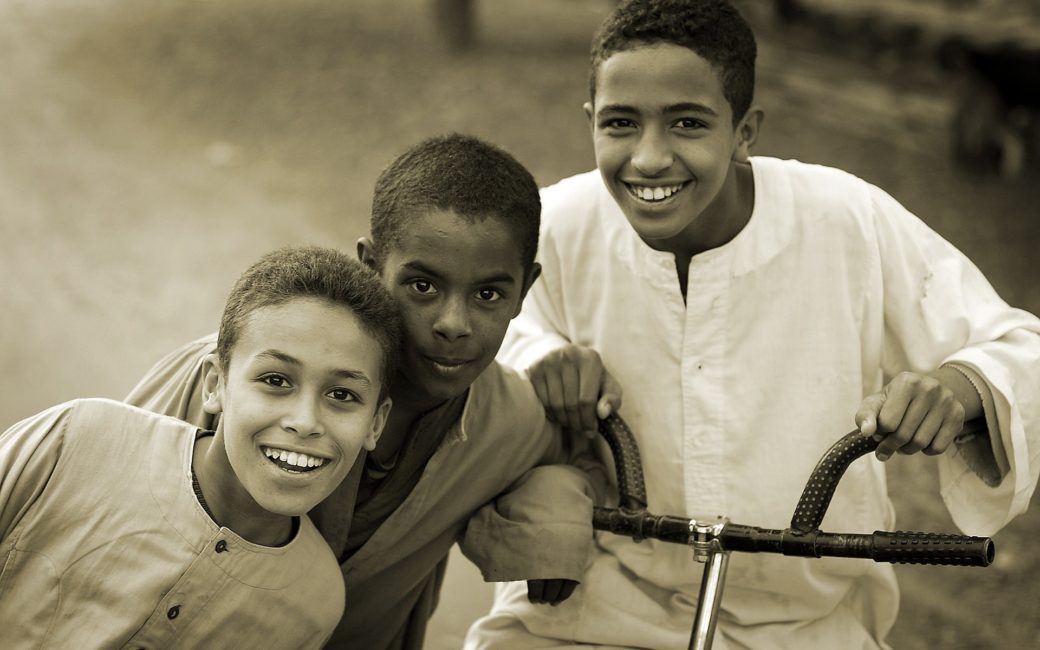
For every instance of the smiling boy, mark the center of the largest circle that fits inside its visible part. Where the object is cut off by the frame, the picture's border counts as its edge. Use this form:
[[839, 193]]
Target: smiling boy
[[465, 451], [752, 309], [123, 528]]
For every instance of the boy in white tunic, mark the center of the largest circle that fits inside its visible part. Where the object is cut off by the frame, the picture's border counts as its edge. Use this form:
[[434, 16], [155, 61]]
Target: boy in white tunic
[[752, 309], [123, 528]]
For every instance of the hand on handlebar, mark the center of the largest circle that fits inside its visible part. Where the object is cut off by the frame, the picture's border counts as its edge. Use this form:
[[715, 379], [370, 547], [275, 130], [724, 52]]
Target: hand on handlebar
[[552, 591], [915, 413], [574, 387]]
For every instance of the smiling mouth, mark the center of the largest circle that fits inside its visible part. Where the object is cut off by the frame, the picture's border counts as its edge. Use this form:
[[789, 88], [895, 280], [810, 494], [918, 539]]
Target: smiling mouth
[[292, 461], [657, 194]]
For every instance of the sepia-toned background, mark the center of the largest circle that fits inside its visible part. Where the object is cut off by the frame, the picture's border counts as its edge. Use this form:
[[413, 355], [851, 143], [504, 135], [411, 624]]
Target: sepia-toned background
[[150, 151]]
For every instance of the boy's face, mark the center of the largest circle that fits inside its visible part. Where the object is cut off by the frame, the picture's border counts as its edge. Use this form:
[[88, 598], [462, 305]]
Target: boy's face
[[458, 283], [299, 399], [665, 143]]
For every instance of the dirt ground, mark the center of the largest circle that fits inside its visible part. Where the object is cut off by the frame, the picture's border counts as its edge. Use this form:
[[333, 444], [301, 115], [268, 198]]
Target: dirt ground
[[150, 151]]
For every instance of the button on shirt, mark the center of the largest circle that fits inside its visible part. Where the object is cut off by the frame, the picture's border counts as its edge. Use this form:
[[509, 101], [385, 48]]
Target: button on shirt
[[104, 545]]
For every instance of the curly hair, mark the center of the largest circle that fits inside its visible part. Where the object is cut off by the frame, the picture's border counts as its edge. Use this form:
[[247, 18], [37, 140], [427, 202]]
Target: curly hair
[[712, 29], [472, 178]]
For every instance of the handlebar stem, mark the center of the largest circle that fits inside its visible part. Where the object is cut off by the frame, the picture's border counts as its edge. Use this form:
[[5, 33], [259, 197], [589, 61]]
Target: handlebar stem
[[705, 538]]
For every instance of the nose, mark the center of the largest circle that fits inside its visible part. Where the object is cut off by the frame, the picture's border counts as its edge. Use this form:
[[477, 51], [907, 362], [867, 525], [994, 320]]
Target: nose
[[652, 154], [453, 321], [301, 418]]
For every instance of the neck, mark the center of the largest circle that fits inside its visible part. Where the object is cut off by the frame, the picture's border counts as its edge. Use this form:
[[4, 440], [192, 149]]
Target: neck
[[229, 503], [721, 221], [410, 403]]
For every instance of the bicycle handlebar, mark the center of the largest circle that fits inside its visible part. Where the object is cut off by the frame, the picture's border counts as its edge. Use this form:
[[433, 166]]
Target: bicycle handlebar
[[900, 547], [803, 538]]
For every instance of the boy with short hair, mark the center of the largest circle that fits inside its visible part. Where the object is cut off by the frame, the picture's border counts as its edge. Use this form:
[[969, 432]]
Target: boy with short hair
[[454, 234], [184, 538], [749, 306]]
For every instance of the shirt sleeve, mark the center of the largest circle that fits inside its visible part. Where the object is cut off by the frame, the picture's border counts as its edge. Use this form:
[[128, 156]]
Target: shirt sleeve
[[540, 327], [940, 309], [29, 452], [173, 386], [541, 527]]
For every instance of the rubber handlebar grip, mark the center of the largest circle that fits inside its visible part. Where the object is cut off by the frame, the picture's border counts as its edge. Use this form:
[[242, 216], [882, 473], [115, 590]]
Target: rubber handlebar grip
[[932, 548], [627, 462], [819, 489]]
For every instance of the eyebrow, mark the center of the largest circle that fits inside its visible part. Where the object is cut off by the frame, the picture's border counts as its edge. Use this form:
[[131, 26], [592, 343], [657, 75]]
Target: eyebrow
[[681, 107], [501, 278], [341, 373]]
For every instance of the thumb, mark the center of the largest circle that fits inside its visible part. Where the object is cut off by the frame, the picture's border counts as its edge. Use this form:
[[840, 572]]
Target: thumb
[[610, 396], [867, 415]]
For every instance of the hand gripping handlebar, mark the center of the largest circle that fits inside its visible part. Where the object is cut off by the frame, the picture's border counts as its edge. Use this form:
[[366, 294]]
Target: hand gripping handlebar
[[803, 538]]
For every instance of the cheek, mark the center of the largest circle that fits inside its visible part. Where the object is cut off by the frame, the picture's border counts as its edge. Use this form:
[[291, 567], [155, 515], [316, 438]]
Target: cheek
[[492, 325], [610, 152]]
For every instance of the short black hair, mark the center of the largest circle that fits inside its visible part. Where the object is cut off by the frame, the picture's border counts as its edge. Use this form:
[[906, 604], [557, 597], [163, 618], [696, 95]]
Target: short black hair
[[315, 272], [472, 178], [712, 29]]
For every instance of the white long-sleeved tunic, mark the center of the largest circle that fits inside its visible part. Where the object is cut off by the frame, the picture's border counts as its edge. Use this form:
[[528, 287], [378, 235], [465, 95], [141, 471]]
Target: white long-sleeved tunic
[[830, 290]]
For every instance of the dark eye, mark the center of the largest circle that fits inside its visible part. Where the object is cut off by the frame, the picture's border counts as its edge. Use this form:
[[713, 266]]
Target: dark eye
[[689, 123], [618, 123], [423, 287], [342, 395], [489, 295], [277, 381]]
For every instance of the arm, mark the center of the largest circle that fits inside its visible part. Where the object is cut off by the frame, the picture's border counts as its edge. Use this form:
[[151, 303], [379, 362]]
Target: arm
[[540, 529], [29, 452], [173, 386], [962, 345], [570, 380]]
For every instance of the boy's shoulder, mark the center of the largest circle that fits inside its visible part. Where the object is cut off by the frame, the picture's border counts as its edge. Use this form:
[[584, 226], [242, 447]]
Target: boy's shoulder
[[101, 426], [805, 183], [502, 399], [578, 206], [102, 410]]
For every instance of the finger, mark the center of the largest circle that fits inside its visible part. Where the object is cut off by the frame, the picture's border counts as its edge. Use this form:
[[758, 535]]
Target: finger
[[610, 396], [588, 391], [541, 389], [951, 426], [890, 419], [866, 416], [554, 398], [909, 422], [534, 591], [570, 382], [551, 593], [925, 432]]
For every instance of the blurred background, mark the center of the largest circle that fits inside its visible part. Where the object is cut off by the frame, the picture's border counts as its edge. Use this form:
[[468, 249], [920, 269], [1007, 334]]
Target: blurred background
[[149, 152]]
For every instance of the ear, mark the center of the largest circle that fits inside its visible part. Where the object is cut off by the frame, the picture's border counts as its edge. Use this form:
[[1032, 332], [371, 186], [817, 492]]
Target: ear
[[212, 385], [587, 107], [378, 422], [529, 280], [366, 252], [747, 133]]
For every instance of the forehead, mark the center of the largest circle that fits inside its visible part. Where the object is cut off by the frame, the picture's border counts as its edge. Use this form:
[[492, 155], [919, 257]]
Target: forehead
[[656, 76], [313, 330], [452, 245]]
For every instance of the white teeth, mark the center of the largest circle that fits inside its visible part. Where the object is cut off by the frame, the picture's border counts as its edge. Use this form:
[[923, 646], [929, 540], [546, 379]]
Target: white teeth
[[654, 193], [293, 457]]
